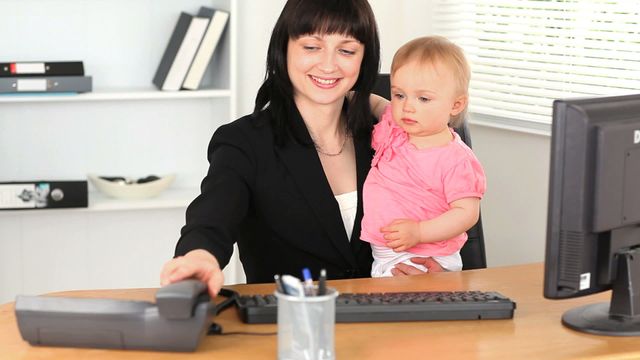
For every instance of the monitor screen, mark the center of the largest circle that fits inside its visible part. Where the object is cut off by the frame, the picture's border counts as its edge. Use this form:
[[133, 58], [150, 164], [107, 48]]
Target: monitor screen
[[593, 227]]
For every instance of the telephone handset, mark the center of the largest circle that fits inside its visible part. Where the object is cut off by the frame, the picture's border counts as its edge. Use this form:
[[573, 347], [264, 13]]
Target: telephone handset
[[177, 321], [177, 300]]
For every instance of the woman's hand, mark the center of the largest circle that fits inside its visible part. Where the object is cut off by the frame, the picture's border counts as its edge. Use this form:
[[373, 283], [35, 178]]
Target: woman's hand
[[199, 264], [404, 269]]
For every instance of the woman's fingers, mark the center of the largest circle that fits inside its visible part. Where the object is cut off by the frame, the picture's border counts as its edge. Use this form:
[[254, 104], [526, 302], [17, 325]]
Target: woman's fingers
[[198, 264], [168, 269], [405, 269], [429, 263], [215, 282]]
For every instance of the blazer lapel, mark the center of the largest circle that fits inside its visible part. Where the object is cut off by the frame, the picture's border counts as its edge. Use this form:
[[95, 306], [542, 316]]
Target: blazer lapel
[[306, 170], [364, 154]]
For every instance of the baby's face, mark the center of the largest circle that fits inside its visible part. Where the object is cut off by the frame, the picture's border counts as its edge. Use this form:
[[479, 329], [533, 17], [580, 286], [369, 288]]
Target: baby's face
[[424, 97]]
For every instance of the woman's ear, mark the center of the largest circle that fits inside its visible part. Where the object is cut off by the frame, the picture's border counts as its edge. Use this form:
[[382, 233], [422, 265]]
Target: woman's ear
[[459, 105]]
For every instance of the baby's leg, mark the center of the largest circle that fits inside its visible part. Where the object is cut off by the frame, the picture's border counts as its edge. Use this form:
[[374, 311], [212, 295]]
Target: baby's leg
[[408, 261], [385, 259], [451, 262], [382, 260]]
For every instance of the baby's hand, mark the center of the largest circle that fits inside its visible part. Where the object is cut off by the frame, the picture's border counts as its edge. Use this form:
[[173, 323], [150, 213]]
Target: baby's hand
[[402, 234]]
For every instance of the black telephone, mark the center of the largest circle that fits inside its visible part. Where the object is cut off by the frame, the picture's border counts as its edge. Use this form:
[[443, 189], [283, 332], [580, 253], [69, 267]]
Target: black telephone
[[177, 321]]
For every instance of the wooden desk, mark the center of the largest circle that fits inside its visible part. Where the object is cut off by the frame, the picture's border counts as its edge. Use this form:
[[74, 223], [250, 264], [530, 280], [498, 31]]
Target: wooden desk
[[534, 333]]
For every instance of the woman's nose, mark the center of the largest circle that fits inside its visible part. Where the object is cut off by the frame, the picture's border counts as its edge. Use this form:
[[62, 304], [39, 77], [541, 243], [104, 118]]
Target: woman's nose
[[328, 62]]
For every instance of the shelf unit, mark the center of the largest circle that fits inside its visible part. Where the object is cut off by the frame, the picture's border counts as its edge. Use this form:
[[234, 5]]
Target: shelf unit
[[124, 127], [117, 94]]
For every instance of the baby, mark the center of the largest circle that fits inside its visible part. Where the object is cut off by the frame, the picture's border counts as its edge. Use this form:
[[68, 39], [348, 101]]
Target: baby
[[424, 188]]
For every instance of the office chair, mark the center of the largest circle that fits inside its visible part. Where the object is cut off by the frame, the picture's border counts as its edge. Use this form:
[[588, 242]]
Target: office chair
[[473, 252]]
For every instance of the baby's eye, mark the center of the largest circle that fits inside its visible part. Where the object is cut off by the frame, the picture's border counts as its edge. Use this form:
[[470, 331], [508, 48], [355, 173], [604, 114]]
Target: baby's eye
[[423, 99], [398, 96]]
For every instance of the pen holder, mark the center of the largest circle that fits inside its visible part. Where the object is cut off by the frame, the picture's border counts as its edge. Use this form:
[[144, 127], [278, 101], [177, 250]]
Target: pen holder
[[306, 326]]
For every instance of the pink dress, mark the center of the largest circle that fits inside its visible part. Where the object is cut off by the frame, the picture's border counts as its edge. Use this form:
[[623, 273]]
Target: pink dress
[[407, 182]]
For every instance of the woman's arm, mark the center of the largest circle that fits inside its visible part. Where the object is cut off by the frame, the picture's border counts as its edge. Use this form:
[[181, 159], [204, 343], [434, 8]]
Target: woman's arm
[[378, 103], [206, 241], [403, 234]]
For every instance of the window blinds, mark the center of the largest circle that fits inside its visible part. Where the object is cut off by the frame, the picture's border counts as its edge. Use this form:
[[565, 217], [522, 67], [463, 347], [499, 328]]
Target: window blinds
[[525, 53]]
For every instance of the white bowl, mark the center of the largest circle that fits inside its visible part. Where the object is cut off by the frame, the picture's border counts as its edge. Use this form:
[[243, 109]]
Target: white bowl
[[121, 190]]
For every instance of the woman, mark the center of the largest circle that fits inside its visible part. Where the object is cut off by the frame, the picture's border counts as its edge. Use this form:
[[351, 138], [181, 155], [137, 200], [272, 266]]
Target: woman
[[285, 182]]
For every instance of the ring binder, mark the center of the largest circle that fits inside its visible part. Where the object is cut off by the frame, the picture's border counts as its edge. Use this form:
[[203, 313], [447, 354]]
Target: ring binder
[[43, 195]]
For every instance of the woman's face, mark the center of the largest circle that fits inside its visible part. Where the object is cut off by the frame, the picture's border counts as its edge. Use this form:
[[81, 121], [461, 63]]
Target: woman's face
[[323, 68]]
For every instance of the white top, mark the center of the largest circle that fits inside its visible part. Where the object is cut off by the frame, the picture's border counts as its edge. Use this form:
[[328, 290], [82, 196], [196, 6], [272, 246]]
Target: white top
[[348, 203]]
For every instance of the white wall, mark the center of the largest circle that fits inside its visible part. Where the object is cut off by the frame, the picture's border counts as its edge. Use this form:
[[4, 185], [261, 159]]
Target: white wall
[[514, 208]]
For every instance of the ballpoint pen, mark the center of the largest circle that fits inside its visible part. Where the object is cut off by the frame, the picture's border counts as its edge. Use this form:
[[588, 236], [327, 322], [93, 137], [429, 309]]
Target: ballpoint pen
[[308, 282], [278, 282], [322, 283]]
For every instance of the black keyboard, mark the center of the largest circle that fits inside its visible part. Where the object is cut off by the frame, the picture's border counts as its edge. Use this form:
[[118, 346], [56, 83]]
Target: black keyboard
[[394, 306]]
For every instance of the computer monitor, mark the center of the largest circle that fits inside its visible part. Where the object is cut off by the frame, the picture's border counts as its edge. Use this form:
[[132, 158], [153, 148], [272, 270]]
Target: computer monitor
[[593, 228]]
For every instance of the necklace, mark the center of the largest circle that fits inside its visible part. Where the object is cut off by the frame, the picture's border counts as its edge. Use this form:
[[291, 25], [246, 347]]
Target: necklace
[[320, 151]]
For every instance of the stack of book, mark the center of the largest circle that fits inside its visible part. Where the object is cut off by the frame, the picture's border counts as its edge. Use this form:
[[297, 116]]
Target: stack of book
[[190, 49], [43, 77]]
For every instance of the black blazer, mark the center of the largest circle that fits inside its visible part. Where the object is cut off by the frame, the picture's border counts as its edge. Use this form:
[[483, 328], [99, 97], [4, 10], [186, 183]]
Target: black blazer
[[276, 203]]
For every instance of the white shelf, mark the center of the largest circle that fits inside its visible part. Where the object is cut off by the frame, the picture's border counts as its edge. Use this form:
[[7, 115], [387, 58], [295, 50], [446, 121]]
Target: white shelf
[[98, 202], [116, 94], [171, 198]]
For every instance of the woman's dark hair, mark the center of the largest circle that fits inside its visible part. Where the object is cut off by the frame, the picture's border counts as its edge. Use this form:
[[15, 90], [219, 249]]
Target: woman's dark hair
[[301, 17]]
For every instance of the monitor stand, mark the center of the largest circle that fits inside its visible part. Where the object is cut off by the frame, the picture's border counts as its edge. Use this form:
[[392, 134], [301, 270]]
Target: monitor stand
[[622, 316]]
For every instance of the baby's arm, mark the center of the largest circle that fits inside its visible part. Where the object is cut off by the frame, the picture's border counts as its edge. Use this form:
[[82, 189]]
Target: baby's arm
[[403, 234]]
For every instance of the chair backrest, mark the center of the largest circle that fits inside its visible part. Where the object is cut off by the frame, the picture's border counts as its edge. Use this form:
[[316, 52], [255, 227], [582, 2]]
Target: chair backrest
[[473, 252]]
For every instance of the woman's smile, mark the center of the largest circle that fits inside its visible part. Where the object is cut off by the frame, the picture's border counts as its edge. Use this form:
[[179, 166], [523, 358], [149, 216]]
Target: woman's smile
[[325, 83]]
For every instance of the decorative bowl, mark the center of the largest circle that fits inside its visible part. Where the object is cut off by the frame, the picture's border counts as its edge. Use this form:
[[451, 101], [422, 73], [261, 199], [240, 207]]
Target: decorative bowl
[[128, 188]]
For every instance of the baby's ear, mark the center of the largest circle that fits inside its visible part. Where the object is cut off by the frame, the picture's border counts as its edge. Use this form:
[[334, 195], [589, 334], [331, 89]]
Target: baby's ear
[[459, 105]]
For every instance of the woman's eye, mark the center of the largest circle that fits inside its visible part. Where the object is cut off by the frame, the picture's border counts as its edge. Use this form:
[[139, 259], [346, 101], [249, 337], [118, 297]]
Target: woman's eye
[[310, 47], [347, 52]]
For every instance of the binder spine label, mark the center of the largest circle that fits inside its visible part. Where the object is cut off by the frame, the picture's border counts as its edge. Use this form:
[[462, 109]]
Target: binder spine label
[[18, 196], [32, 85], [27, 68]]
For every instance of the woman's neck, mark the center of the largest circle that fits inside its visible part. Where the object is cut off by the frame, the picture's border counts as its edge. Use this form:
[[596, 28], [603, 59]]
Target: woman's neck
[[322, 121]]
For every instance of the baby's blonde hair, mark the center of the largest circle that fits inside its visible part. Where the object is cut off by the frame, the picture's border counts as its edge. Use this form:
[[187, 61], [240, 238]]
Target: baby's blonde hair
[[434, 49]]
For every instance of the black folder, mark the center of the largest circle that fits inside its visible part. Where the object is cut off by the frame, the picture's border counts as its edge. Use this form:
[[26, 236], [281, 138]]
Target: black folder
[[34, 68], [43, 195]]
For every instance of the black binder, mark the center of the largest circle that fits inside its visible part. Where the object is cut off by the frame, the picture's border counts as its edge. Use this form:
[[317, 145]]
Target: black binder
[[31, 195], [34, 68]]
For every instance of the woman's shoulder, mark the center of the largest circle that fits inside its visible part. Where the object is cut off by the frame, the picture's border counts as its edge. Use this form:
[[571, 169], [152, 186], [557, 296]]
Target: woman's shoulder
[[250, 122], [249, 126]]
